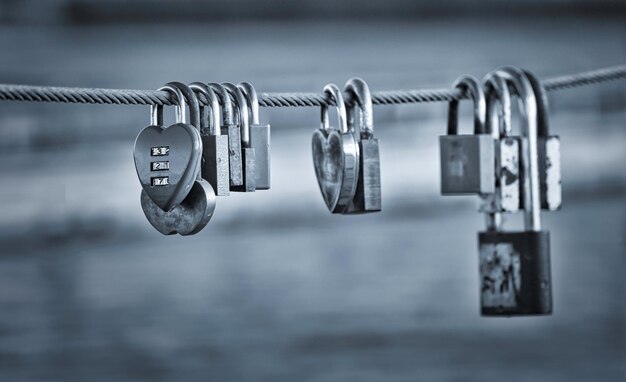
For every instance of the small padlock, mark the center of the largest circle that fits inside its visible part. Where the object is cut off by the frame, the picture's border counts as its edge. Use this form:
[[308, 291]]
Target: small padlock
[[248, 157], [196, 209], [259, 138], [467, 161], [167, 160], [367, 197], [549, 149], [335, 156], [515, 266], [233, 131], [214, 144], [506, 197]]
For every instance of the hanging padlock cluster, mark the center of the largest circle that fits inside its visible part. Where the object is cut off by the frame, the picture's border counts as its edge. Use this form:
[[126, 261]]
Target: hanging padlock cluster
[[182, 168], [510, 174]]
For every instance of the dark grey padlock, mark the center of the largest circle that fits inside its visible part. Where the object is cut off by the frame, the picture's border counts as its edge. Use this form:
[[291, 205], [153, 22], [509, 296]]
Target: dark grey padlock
[[248, 154], [367, 197], [506, 197], [548, 149], [467, 161], [259, 139], [214, 145], [515, 266], [233, 131]]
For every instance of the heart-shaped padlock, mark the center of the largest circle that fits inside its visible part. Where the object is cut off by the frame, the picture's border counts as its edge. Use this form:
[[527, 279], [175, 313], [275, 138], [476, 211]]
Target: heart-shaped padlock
[[167, 160], [335, 157]]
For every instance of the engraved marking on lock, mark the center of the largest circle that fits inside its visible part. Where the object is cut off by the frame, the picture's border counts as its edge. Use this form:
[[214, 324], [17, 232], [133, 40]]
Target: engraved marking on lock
[[160, 166], [458, 161], [160, 181], [500, 275], [159, 151]]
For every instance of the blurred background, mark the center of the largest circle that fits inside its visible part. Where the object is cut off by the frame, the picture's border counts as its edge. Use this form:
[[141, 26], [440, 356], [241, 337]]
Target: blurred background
[[275, 288]]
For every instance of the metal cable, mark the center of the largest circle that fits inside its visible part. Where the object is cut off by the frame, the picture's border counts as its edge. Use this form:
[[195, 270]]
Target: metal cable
[[153, 97]]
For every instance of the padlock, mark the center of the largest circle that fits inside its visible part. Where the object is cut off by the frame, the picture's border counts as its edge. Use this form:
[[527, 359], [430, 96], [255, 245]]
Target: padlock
[[367, 197], [196, 209], [259, 138], [549, 149], [335, 156], [248, 155], [233, 131], [467, 161], [214, 144], [506, 197], [515, 266], [167, 160]]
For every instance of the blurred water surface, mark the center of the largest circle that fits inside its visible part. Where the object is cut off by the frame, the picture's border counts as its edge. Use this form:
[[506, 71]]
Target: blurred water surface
[[275, 288]]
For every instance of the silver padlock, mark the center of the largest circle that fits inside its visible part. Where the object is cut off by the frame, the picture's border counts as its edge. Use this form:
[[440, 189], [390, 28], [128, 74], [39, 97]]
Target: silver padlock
[[367, 197], [467, 161], [549, 150], [248, 154], [214, 144], [515, 266], [259, 138], [507, 194], [233, 131]]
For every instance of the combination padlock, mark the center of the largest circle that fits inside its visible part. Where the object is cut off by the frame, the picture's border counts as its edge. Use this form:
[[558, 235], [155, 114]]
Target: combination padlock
[[167, 160], [335, 156], [214, 145], [367, 197], [549, 150], [515, 266], [194, 212], [259, 139], [248, 154], [233, 131], [467, 161]]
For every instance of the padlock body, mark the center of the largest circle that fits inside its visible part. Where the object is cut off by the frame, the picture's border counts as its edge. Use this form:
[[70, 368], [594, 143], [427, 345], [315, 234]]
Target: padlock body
[[215, 168], [515, 273], [467, 164], [506, 197], [367, 197], [248, 159], [260, 142], [234, 154], [549, 150]]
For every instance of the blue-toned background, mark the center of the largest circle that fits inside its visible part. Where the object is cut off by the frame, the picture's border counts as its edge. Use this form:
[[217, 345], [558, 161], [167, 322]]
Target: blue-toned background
[[275, 288]]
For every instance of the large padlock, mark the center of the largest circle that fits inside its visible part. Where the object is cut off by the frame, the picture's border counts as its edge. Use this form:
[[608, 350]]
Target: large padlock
[[367, 197], [549, 150], [248, 154], [335, 156], [167, 160], [467, 161], [194, 212], [259, 139], [233, 131], [515, 266], [214, 145], [506, 197]]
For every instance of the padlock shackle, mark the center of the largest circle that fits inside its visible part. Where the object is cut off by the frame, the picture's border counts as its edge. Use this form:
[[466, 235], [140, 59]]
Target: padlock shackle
[[185, 93], [543, 128], [156, 111], [242, 111], [214, 106], [228, 116], [333, 92], [498, 122], [253, 100], [472, 86], [529, 158], [360, 93]]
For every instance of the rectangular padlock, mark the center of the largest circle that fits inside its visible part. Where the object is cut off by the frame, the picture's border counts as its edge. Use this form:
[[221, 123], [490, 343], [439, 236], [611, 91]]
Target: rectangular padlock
[[234, 154], [248, 172], [260, 142], [506, 197], [216, 163], [515, 273], [467, 164], [367, 197], [549, 151]]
